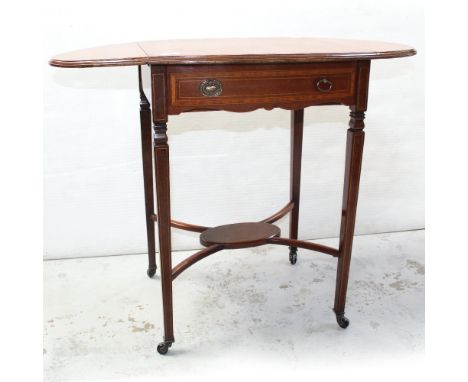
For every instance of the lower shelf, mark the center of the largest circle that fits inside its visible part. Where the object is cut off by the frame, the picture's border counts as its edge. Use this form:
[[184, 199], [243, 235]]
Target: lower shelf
[[239, 235], [244, 235]]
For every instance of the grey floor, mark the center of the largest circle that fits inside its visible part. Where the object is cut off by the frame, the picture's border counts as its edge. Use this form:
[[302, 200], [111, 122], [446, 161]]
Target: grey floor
[[103, 320]]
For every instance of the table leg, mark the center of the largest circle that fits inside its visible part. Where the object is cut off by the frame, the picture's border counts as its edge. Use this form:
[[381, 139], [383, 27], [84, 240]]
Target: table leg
[[354, 149], [297, 123], [161, 156], [147, 158]]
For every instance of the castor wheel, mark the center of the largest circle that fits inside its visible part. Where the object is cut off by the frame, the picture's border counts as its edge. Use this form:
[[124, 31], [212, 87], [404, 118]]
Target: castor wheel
[[164, 346], [292, 255], [151, 272], [343, 322]]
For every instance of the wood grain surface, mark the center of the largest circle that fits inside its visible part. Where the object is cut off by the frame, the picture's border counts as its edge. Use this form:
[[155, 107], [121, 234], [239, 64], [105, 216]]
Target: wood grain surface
[[231, 51]]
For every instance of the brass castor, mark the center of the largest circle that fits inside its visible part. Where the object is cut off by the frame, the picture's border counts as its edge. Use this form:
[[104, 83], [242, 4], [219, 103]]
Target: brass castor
[[151, 272], [292, 255], [164, 346], [343, 322]]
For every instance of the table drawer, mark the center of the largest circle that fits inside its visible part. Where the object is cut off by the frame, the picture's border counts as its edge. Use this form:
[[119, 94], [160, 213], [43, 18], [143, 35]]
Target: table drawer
[[247, 87]]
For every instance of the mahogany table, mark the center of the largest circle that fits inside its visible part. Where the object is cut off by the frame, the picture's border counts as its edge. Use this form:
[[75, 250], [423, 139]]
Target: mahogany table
[[242, 75]]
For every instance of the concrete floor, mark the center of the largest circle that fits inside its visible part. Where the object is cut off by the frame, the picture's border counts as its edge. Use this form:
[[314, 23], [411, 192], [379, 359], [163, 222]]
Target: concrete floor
[[103, 320]]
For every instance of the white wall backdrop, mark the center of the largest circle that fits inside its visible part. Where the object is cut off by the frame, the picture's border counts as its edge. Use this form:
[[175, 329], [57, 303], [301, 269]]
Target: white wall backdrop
[[225, 167]]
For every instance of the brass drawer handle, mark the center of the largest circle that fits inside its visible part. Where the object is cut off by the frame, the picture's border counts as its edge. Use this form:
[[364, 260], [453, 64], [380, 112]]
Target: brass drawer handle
[[324, 85], [211, 88]]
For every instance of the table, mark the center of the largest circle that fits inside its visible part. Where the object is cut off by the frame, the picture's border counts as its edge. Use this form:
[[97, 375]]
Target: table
[[242, 75]]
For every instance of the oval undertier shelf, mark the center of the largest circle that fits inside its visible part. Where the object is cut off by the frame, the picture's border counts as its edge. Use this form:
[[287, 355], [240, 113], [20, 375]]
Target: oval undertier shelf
[[239, 235]]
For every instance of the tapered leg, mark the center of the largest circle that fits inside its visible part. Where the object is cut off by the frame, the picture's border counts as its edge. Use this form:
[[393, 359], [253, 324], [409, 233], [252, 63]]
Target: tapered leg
[[147, 157], [297, 123], [354, 149], [161, 155]]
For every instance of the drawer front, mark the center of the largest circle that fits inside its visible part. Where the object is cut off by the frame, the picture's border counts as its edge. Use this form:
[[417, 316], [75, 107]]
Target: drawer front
[[247, 87]]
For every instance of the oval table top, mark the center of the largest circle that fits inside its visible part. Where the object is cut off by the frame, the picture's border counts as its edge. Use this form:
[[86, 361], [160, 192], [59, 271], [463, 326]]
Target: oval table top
[[231, 51]]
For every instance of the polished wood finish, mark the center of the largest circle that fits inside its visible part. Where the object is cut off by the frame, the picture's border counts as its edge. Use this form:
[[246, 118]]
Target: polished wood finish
[[243, 75], [278, 215], [248, 87], [184, 226], [239, 235], [231, 51], [199, 228], [297, 126], [304, 244], [158, 87], [109, 55], [161, 168], [147, 159], [196, 257], [354, 149]]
